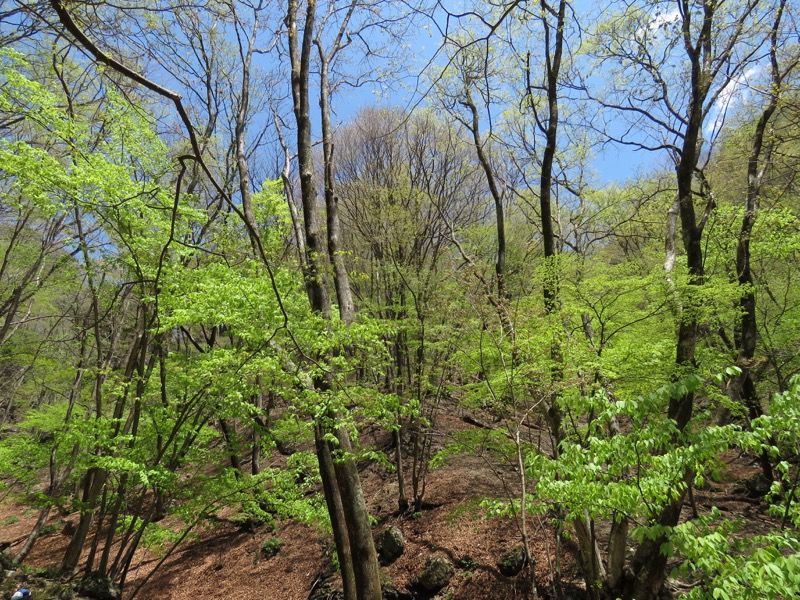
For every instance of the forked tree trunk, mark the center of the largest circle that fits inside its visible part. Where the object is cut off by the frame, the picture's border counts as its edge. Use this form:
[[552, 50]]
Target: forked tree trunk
[[366, 572], [591, 561], [333, 501], [757, 164], [93, 484]]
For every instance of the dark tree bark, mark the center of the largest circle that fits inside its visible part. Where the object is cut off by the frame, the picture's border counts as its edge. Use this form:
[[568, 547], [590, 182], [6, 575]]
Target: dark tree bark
[[757, 164], [705, 63], [497, 198]]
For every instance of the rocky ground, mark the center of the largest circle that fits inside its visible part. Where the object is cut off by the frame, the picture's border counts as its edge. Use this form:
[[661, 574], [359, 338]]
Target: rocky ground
[[226, 560]]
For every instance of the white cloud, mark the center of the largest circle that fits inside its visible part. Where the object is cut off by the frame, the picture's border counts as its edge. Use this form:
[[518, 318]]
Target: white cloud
[[658, 24], [736, 93], [662, 19]]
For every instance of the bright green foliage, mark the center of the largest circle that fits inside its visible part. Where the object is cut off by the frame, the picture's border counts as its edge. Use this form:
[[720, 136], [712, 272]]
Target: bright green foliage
[[148, 426], [631, 473], [271, 547], [729, 564], [629, 309], [779, 432], [144, 344]]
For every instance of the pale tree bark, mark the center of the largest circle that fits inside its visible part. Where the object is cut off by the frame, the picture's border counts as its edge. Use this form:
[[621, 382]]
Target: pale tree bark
[[341, 279], [351, 511], [245, 45], [288, 190]]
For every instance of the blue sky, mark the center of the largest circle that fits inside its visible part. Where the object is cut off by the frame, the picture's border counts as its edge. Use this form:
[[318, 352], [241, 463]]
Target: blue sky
[[612, 164]]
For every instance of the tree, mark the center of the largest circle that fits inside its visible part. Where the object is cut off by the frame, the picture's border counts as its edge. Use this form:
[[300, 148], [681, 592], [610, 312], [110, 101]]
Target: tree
[[757, 164], [671, 65], [407, 181]]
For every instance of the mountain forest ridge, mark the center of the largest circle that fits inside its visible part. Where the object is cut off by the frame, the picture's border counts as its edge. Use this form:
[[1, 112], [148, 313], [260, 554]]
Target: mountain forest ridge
[[257, 341]]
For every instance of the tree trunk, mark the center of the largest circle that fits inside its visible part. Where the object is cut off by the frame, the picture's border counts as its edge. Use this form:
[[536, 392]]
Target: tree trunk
[[366, 573], [402, 498], [230, 442], [340, 277], [757, 164], [362, 546], [650, 563], [589, 556], [33, 535], [499, 210], [93, 484], [333, 500], [617, 544]]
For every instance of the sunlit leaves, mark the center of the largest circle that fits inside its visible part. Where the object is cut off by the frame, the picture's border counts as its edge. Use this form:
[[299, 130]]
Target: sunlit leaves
[[727, 563]]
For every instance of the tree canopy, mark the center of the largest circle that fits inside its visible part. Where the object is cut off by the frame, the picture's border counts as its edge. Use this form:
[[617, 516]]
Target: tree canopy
[[216, 250]]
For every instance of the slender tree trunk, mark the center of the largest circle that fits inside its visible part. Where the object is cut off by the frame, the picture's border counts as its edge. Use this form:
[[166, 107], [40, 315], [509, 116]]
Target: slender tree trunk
[[333, 500], [590, 558], [258, 427], [340, 276], [497, 197], [229, 435], [501, 302], [523, 510], [240, 127], [649, 563], [398, 384], [757, 164], [44, 513], [550, 287], [361, 546], [402, 497]]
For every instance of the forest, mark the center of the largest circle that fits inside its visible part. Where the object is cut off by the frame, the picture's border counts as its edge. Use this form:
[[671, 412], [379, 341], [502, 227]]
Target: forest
[[265, 262]]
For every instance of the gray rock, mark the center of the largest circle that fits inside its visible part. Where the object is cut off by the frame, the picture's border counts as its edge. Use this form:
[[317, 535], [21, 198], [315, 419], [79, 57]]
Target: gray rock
[[98, 587], [390, 592], [55, 591], [437, 574], [324, 590], [512, 562], [757, 486], [392, 543]]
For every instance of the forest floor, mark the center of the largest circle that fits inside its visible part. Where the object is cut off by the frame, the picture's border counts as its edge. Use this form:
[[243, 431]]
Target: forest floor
[[225, 560]]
